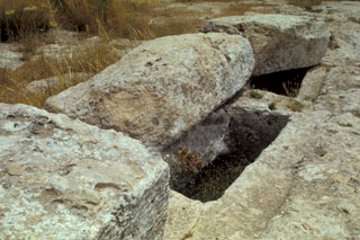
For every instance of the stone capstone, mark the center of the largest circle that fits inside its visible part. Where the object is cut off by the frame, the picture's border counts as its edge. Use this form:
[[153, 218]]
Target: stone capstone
[[280, 42], [163, 87], [64, 179]]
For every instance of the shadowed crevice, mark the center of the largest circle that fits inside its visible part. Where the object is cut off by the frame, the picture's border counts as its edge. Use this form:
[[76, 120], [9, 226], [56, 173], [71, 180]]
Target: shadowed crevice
[[249, 133]]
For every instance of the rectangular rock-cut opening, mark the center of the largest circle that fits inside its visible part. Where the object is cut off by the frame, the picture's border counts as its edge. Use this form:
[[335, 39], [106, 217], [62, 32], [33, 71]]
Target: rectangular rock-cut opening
[[286, 83], [249, 133]]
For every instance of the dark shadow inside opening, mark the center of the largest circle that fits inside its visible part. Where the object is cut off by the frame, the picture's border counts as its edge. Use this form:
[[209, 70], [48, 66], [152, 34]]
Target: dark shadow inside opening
[[285, 83], [250, 133]]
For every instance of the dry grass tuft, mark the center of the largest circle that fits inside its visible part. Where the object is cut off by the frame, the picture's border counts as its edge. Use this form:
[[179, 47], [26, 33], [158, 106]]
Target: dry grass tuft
[[306, 4], [190, 161], [238, 8], [92, 16], [112, 18], [92, 60], [256, 94], [25, 21], [187, 236], [295, 105], [291, 87], [194, 1], [18, 18]]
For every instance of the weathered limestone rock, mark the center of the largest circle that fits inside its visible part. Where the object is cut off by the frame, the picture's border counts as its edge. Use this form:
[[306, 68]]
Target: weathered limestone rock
[[163, 87], [306, 184], [53, 84], [312, 83], [182, 213], [280, 42], [301, 186], [10, 58], [64, 179], [255, 100]]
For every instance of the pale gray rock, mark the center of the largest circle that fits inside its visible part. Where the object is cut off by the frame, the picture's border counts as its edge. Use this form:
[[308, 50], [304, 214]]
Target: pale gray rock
[[10, 57], [280, 42], [54, 84], [305, 184], [264, 101], [64, 179], [163, 87], [301, 186], [312, 84]]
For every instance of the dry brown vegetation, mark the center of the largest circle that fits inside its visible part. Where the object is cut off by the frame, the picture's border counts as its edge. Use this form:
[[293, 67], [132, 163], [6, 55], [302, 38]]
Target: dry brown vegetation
[[91, 60], [114, 18], [27, 23], [190, 161], [306, 4]]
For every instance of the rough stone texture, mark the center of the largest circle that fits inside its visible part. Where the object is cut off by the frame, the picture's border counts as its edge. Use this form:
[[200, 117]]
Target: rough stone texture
[[312, 83], [231, 129], [280, 42], [253, 100], [163, 87], [184, 214], [300, 187], [10, 57], [63, 179], [306, 184], [50, 85]]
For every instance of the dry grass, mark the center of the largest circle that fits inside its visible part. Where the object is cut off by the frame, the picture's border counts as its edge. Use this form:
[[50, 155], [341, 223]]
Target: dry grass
[[91, 60], [306, 4], [238, 8], [192, 1], [112, 18], [295, 105], [187, 236], [190, 161], [18, 18], [25, 21], [256, 94], [92, 16]]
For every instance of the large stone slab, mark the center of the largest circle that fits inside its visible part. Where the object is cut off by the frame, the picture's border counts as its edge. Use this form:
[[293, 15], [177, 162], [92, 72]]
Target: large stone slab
[[64, 179], [280, 42], [306, 184], [163, 87], [301, 186]]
